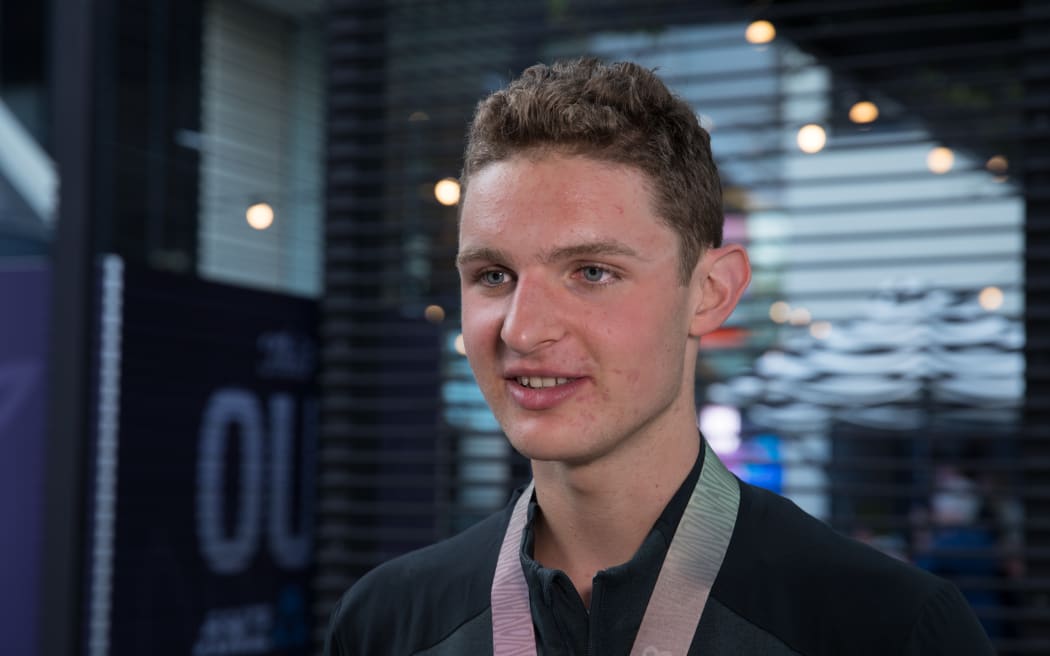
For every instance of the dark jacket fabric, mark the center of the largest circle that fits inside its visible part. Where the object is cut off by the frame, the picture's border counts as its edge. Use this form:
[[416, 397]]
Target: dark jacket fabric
[[789, 585]]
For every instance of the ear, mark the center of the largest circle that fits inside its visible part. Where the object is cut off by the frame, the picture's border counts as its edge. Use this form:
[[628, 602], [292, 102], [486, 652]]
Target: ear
[[720, 278]]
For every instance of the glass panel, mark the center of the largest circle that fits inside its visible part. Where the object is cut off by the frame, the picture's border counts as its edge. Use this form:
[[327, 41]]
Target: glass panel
[[261, 148], [872, 164]]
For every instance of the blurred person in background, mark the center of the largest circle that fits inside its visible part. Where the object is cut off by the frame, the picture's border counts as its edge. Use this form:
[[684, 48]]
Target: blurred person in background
[[591, 265], [959, 544]]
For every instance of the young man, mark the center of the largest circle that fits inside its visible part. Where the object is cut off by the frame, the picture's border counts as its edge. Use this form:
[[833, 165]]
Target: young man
[[591, 266]]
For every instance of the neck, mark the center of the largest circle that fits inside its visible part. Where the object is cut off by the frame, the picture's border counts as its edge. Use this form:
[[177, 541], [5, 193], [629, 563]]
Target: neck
[[596, 516]]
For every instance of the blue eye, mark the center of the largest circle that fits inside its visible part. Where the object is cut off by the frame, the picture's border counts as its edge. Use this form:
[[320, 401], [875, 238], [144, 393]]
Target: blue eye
[[593, 273], [493, 278]]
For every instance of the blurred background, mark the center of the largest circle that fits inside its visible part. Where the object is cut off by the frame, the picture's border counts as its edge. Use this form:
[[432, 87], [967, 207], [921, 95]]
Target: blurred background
[[231, 378]]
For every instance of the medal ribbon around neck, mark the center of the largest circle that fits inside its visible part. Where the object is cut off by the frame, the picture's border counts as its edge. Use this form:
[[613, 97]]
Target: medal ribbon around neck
[[682, 587]]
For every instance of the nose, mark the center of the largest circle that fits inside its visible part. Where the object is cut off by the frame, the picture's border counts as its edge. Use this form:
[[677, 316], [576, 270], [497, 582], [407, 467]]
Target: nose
[[532, 320]]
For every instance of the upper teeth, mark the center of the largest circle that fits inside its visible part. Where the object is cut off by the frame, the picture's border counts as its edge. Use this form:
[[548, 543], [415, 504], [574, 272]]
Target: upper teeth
[[541, 381]]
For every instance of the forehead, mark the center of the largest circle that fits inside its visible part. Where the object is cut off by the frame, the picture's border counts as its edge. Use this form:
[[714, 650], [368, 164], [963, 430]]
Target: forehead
[[552, 198]]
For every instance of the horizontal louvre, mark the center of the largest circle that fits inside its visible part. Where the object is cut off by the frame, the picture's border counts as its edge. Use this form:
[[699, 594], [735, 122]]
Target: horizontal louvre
[[887, 254]]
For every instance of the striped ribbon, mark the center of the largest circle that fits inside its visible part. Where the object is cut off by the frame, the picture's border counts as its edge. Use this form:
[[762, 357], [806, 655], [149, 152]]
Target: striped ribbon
[[682, 587], [512, 633]]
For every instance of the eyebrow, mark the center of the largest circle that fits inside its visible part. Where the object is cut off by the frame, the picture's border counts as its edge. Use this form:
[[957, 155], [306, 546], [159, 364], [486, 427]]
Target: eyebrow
[[605, 247], [592, 249], [479, 255]]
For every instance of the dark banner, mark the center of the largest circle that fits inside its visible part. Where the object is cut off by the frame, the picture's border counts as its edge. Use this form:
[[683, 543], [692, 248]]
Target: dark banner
[[203, 480], [24, 298]]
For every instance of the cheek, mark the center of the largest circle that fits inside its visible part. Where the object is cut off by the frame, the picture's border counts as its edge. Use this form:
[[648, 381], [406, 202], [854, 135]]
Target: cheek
[[481, 326], [643, 321], [649, 335]]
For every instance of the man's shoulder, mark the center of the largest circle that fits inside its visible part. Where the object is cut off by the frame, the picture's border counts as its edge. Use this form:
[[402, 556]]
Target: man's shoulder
[[416, 600], [796, 544], [459, 559], [820, 591]]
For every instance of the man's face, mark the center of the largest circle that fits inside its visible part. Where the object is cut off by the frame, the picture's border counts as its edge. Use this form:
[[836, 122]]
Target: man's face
[[575, 320]]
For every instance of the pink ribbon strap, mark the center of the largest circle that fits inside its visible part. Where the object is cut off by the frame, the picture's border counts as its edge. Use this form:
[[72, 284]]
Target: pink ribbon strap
[[691, 565], [512, 633], [682, 587]]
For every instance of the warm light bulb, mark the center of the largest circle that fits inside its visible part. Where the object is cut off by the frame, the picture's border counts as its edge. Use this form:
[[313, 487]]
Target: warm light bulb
[[812, 138], [800, 317], [760, 32], [446, 191], [459, 345], [259, 216], [779, 312], [997, 164], [940, 160], [434, 313], [990, 298], [820, 329], [864, 112]]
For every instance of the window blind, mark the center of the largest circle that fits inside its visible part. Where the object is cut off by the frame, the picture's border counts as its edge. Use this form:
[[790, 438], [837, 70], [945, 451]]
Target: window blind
[[884, 162]]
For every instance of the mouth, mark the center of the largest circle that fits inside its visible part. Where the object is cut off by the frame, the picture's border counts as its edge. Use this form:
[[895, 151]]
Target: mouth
[[537, 393], [540, 382]]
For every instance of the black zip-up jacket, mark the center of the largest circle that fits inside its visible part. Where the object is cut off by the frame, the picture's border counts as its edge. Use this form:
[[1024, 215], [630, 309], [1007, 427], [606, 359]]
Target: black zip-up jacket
[[789, 585]]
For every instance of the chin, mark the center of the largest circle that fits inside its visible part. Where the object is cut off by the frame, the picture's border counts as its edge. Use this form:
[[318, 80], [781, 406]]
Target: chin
[[534, 445], [551, 447]]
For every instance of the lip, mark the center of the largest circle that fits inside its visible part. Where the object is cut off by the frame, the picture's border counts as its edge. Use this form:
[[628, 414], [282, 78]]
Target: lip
[[528, 372], [543, 398]]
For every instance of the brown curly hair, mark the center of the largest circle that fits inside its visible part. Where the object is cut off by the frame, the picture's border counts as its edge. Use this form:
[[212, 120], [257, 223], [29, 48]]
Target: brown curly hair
[[621, 113]]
